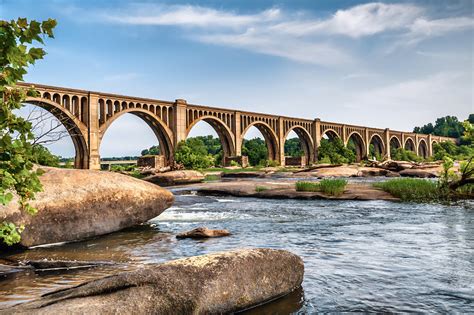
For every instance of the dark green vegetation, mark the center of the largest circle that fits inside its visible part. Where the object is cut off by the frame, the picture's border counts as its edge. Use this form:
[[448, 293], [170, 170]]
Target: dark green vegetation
[[256, 150], [193, 154], [43, 156], [333, 151], [293, 147], [260, 188], [448, 126], [410, 189], [16, 150], [450, 186], [401, 154], [333, 187], [154, 150]]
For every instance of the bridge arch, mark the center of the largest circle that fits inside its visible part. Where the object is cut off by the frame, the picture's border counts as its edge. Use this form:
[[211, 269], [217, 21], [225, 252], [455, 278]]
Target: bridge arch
[[269, 135], [422, 148], [225, 134], [395, 142], [359, 144], [331, 134], [378, 144], [159, 128], [409, 144], [77, 129], [305, 139]]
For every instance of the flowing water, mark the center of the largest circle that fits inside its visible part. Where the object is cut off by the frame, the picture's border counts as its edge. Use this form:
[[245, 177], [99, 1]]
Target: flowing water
[[360, 256]]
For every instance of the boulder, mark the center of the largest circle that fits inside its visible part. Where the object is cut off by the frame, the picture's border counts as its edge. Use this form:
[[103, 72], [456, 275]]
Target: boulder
[[340, 171], [375, 171], [247, 174], [175, 178], [218, 283], [203, 232], [78, 204], [421, 173]]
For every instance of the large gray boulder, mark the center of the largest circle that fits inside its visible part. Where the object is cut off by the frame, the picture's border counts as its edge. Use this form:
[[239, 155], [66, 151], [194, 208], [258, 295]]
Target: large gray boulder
[[209, 284], [175, 178], [78, 204]]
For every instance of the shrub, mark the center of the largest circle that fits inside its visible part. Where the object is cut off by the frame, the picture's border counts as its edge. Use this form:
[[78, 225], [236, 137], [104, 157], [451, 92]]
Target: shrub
[[307, 186], [193, 154], [401, 154], [411, 189], [234, 163], [44, 157], [260, 188], [333, 187], [335, 151]]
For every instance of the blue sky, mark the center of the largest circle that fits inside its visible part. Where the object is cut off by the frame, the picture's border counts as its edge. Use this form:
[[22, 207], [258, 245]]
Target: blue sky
[[395, 64]]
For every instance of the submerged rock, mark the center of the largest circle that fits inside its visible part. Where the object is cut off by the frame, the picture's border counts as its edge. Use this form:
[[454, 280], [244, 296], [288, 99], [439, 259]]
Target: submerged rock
[[209, 284], [421, 173], [245, 174], [175, 178], [78, 204], [203, 232]]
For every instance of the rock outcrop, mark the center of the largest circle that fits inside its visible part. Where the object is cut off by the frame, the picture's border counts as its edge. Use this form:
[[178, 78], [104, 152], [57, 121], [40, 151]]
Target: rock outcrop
[[203, 232], [175, 178], [420, 173], [78, 204], [209, 284]]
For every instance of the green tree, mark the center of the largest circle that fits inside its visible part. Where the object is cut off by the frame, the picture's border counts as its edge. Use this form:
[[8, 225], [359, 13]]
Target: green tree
[[256, 150], [16, 151], [335, 152], [154, 150], [293, 147], [43, 156], [192, 153], [448, 126]]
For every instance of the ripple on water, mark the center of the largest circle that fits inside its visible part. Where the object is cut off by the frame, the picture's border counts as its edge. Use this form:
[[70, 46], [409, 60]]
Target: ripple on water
[[373, 256]]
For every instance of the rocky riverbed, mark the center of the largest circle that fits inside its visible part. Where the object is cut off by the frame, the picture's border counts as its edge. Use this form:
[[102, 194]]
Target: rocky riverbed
[[278, 189]]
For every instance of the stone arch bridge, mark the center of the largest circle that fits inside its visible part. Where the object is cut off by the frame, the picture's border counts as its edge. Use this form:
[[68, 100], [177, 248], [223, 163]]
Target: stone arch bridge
[[87, 115]]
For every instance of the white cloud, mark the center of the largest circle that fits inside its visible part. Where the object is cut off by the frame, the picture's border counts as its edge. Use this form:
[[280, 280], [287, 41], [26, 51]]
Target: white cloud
[[289, 48], [362, 20], [191, 16], [297, 37]]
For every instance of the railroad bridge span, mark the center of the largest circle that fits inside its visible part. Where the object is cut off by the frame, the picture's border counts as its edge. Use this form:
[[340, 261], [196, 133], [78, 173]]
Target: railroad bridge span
[[87, 115]]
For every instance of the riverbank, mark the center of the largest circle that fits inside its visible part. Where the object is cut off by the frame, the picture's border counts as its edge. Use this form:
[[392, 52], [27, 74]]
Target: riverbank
[[278, 189]]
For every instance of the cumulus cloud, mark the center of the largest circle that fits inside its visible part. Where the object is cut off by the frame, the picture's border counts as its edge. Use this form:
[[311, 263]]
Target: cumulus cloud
[[297, 37]]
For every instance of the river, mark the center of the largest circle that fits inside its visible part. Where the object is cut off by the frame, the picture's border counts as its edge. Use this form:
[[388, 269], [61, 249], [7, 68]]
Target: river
[[360, 256]]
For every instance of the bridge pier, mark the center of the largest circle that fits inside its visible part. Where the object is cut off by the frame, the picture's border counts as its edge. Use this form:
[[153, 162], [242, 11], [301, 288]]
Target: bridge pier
[[93, 132]]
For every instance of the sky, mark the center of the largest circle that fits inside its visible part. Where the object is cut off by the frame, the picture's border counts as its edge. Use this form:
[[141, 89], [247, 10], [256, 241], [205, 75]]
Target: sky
[[387, 64]]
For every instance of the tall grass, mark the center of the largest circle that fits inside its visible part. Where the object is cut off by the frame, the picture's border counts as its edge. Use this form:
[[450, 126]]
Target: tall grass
[[333, 187], [260, 188], [411, 189]]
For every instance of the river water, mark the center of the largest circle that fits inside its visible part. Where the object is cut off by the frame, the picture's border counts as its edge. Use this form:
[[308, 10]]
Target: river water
[[360, 256]]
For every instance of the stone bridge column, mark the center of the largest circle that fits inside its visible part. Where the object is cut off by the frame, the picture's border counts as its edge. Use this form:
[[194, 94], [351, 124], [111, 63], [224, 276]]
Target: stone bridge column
[[237, 134], [387, 143], [93, 141], [317, 137], [430, 145], [367, 143], [178, 125], [281, 143], [344, 135], [417, 142]]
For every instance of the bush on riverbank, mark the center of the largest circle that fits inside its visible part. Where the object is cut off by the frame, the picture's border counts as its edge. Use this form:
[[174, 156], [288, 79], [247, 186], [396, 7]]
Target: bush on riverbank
[[411, 189], [333, 187]]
